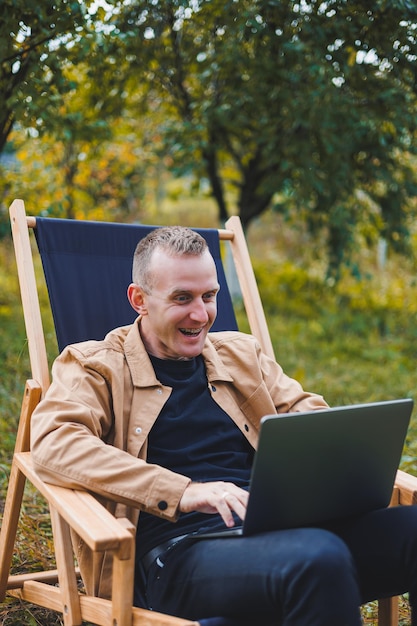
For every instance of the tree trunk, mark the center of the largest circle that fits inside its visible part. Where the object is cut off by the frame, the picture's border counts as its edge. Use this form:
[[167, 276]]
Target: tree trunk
[[212, 168]]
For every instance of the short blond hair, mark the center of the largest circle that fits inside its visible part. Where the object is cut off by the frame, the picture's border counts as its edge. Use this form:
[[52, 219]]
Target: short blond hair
[[174, 240]]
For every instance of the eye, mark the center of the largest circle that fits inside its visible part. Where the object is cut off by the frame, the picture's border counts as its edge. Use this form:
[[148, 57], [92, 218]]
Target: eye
[[210, 296], [182, 298]]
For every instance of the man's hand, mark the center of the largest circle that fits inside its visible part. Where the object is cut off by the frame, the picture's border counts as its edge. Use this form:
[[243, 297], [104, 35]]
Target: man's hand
[[215, 497]]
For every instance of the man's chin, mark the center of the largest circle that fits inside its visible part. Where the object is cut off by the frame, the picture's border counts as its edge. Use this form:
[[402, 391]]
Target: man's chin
[[190, 351]]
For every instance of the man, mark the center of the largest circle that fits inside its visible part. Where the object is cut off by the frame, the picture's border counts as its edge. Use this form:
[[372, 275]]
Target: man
[[162, 417]]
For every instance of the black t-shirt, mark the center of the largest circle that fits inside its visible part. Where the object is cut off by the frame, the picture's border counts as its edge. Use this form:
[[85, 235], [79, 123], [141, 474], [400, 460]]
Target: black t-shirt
[[194, 437]]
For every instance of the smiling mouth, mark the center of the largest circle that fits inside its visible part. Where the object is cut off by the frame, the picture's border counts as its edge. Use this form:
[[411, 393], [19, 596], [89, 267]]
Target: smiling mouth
[[191, 332]]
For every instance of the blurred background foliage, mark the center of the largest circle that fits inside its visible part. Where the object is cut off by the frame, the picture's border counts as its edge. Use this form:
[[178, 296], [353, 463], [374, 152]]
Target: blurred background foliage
[[307, 109], [300, 117]]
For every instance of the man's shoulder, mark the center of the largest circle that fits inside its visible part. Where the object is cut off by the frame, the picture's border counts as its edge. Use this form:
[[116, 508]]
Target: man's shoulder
[[113, 342]]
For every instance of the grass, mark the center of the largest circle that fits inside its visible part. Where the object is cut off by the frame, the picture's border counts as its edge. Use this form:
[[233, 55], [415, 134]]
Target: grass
[[353, 342]]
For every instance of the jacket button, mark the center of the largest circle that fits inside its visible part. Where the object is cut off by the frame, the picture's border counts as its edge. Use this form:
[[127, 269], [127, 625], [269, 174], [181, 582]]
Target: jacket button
[[162, 505], [138, 430]]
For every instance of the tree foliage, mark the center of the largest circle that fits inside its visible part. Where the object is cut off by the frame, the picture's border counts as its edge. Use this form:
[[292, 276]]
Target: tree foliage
[[36, 44], [308, 107], [79, 175], [305, 103]]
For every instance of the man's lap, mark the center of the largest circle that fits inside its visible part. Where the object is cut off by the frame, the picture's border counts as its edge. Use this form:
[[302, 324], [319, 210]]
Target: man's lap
[[234, 572], [207, 577]]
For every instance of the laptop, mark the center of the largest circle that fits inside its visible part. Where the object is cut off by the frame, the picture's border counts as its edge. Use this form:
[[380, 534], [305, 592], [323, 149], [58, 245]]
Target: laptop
[[316, 467]]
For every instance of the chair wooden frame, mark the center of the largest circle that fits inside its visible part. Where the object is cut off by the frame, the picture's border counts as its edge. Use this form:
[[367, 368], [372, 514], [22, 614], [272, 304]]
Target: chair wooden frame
[[78, 510]]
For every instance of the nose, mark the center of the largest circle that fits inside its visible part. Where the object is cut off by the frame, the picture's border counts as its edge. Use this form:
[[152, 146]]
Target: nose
[[199, 312]]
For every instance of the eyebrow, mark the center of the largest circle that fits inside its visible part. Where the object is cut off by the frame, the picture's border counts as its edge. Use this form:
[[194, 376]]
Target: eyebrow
[[179, 290]]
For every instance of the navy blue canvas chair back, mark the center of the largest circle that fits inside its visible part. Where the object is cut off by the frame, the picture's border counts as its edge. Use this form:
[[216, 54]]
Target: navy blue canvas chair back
[[88, 267]]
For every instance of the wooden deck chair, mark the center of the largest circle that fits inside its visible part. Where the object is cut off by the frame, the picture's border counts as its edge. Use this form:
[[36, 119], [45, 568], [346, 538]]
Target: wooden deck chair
[[109, 255], [76, 257]]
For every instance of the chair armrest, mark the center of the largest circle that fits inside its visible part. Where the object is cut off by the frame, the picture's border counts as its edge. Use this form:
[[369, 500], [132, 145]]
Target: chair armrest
[[83, 513], [407, 486]]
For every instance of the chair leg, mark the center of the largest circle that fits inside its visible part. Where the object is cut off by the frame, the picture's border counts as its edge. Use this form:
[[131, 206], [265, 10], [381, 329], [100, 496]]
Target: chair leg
[[388, 612], [10, 522], [123, 581], [16, 486], [71, 609]]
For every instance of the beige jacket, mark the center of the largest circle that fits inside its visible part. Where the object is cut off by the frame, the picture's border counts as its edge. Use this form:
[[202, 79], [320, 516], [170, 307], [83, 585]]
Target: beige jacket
[[91, 429]]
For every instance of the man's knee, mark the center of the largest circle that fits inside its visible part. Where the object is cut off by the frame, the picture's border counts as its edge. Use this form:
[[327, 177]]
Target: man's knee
[[327, 550], [324, 558], [323, 583]]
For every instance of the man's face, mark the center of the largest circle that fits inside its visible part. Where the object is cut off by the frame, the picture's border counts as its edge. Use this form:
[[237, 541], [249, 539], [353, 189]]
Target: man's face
[[181, 308]]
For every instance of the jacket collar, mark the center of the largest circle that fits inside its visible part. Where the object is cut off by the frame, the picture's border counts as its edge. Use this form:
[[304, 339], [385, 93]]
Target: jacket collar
[[140, 366]]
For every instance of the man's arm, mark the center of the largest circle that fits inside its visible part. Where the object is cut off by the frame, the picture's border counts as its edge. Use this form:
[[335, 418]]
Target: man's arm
[[72, 432]]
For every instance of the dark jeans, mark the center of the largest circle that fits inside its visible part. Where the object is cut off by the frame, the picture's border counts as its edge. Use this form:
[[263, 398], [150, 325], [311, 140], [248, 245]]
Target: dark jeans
[[299, 577]]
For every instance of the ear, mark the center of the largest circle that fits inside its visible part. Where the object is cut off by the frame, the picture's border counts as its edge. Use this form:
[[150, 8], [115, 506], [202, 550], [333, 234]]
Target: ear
[[136, 297]]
